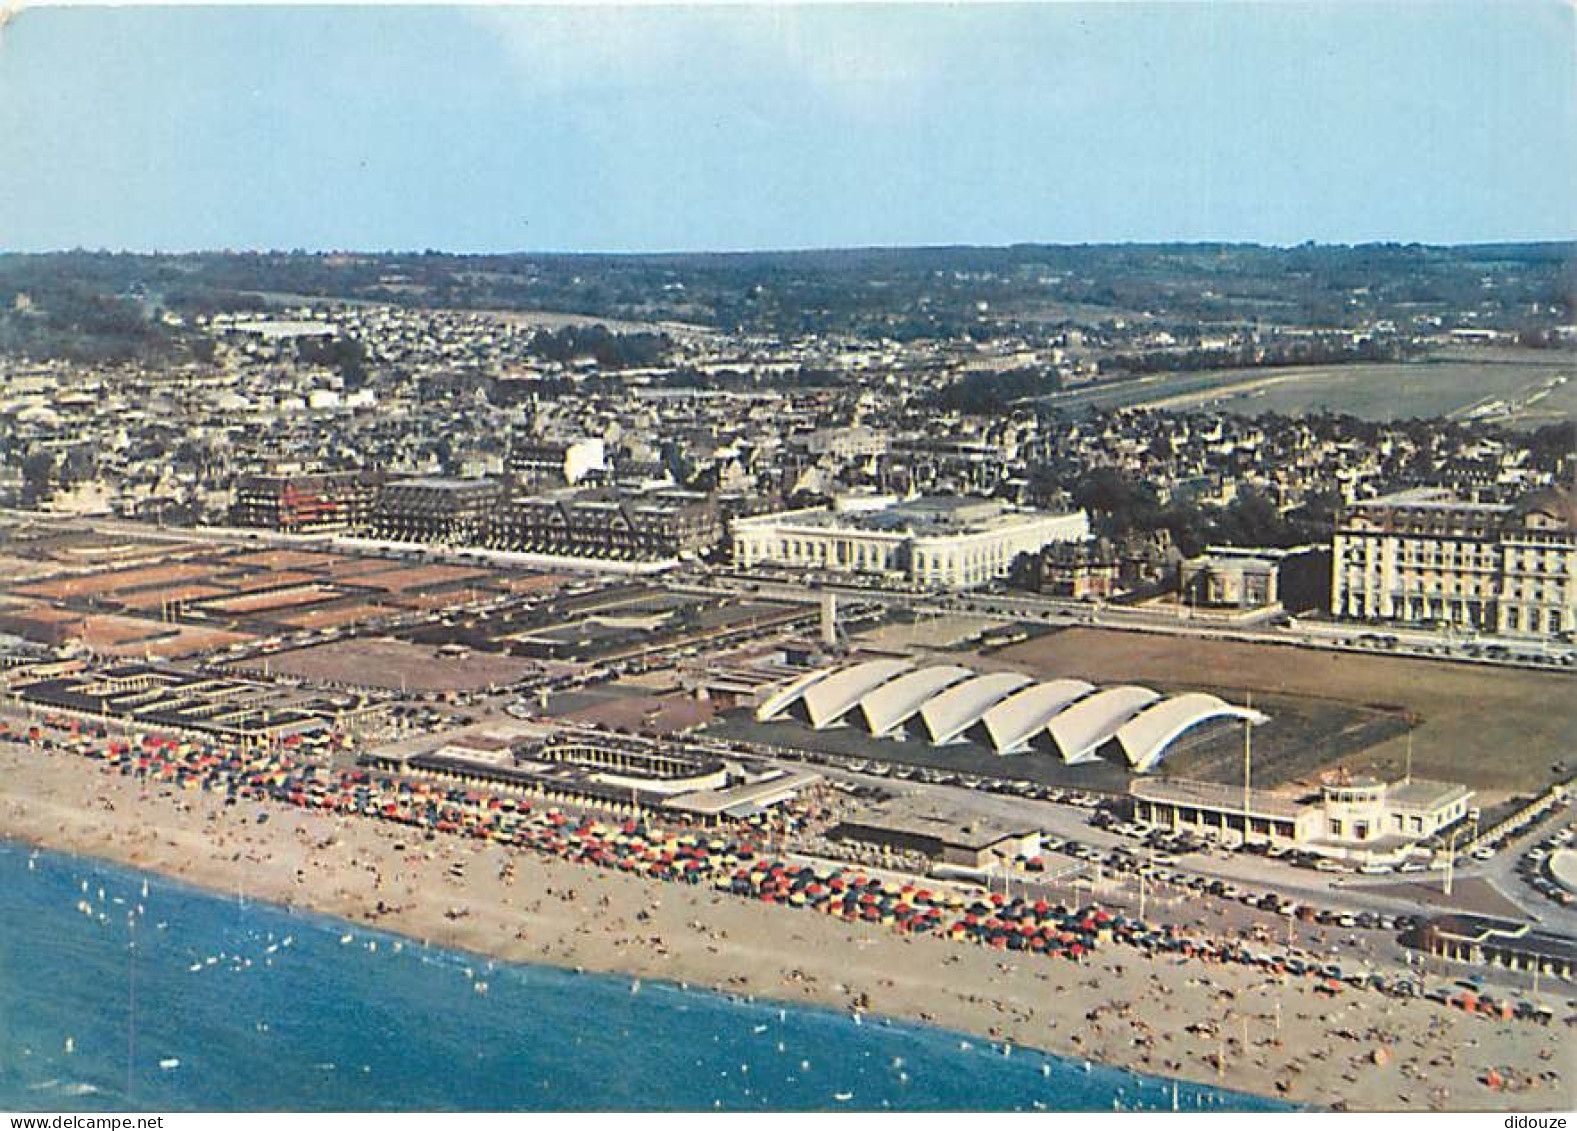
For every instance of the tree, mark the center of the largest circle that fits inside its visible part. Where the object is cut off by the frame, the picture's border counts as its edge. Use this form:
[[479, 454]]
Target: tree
[[38, 469]]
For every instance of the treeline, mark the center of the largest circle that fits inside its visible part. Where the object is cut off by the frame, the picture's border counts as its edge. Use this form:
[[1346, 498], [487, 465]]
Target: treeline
[[1553, 448], [611, 351], [903, 293], [1118, 506], [71, 321], [345, 355], [1312, 351]]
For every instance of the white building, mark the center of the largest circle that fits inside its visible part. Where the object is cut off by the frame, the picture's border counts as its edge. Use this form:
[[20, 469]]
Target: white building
[[943, 542], [1007, 712], [558, 461], [1424, 557], [853, 442], [1348, 817]]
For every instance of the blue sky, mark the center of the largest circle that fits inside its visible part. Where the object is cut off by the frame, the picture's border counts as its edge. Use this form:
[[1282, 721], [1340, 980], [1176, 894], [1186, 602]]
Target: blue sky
[[687, 128]]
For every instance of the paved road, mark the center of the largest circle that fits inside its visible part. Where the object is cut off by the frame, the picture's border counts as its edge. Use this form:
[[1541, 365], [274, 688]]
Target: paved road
[[1501, 872], [1414, 643], [1410, 643]]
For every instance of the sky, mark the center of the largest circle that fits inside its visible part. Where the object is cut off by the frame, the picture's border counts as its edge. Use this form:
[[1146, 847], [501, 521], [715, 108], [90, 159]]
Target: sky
[[595, 128]]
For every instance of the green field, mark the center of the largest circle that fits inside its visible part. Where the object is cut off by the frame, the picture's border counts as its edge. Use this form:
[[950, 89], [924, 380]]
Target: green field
[[1498, 730], [1517, 389]]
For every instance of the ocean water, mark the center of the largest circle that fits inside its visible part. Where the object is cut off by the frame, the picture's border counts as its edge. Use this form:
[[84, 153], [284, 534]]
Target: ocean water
[[202, 1002]]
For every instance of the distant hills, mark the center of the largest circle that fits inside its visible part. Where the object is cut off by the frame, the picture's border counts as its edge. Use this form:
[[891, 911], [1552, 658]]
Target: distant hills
[[107, 305]]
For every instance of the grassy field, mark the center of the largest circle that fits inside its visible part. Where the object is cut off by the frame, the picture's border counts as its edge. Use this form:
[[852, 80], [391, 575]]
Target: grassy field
[[1451, 385], [1498, 730]]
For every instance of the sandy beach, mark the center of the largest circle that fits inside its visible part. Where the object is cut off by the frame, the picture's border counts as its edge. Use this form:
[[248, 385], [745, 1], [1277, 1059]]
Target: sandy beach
[[1220, 1024]]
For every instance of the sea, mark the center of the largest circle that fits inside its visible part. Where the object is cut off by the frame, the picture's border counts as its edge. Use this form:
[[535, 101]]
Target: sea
[[121, 990]]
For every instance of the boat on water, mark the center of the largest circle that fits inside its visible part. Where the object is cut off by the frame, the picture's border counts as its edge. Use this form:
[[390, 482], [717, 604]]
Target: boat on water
[[170, 1062]]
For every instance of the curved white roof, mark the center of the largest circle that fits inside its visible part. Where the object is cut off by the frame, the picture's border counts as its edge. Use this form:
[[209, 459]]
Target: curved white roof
[[1080, 730], [1145, 737], [828, 700], [1012, 722], [1012, 708], [961, 706], [785, 697], [890, 704]]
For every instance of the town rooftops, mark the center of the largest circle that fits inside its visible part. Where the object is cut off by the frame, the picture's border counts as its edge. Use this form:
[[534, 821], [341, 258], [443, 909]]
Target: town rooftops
[[1431, 498], [1251, 556], [1553, 503], [442, 483]]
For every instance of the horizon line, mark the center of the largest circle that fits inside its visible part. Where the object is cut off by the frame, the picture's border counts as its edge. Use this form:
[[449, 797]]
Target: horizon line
[[804, 249]]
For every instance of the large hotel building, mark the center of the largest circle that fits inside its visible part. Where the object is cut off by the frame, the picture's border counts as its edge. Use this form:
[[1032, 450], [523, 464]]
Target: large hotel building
[[295, 502], [1424, 557]]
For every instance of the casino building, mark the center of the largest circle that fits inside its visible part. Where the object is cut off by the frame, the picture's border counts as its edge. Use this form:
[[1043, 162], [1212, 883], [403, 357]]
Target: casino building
[[948, 543]]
